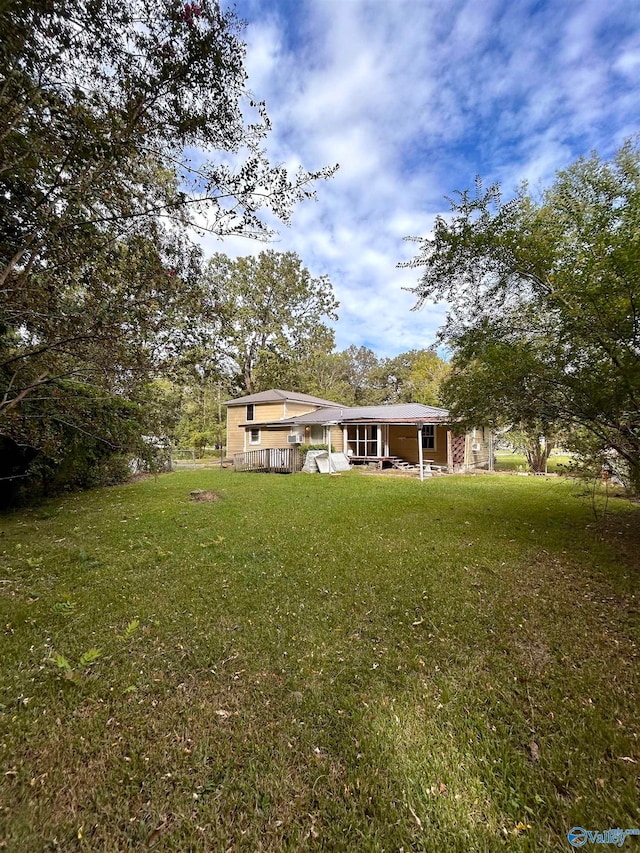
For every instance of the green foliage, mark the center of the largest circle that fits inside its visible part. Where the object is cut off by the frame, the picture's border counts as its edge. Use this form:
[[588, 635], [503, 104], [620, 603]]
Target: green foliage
[[89, 657], [200, 440], [85, 661], [273, 315], [70, 456], [363, 376], [325, 375], [535, 444], [358, 377], [543, 294], [416, 377], [62, 663], [130, 630], [66, 606], [100, 286], [305, 448], [200, 418]]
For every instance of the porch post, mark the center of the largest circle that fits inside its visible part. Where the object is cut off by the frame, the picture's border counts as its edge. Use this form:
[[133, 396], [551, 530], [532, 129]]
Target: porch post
[[420, 455], [378, 440], [449, 452], [331, 463]]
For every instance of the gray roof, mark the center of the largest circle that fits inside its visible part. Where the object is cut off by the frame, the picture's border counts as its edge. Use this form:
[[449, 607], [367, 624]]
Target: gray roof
[[275, 395], [400, 413]]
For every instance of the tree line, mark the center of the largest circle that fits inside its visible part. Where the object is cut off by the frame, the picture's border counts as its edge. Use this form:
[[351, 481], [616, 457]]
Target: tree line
[[101, 103], [285, 342], [112, 324], [544, 311], [271, 327]]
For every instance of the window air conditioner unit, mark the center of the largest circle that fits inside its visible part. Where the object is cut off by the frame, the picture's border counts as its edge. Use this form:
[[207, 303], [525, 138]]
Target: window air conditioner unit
[[294, 438]]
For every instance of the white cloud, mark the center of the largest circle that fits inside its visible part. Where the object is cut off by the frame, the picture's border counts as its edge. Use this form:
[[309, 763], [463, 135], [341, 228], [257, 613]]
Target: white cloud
[[628, 63], [414, 99]]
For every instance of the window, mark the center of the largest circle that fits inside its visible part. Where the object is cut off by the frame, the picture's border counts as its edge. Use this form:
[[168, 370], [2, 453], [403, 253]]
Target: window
[[428, 437], [250, 414], [254, 436], [363, 440], [372, 442]]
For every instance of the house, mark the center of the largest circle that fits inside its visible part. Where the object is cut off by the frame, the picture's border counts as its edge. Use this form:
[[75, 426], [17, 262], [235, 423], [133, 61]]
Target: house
[[263, 420], [406, 433]]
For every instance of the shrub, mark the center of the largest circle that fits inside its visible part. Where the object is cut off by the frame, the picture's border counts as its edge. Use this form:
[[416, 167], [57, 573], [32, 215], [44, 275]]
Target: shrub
[[305, 448]]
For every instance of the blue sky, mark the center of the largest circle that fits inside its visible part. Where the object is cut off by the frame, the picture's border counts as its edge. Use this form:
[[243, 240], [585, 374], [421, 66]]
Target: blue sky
[[414, 98]]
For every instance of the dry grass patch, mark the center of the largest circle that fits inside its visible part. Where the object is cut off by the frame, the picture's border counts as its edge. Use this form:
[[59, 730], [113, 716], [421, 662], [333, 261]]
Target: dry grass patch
[[205, 496]]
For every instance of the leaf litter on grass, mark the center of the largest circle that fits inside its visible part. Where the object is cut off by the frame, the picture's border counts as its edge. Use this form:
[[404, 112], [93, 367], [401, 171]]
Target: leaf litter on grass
[[365, 683]]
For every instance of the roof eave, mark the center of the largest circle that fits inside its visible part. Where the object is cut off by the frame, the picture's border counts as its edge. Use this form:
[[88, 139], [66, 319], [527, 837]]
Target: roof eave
[[397, 421]]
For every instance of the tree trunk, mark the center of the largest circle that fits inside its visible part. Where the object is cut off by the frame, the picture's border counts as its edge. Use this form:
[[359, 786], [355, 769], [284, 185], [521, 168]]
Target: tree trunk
[[537, 452]]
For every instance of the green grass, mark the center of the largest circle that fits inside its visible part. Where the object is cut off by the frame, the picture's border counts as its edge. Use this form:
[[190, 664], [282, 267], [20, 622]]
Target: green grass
[[508, 461], [318, 663]]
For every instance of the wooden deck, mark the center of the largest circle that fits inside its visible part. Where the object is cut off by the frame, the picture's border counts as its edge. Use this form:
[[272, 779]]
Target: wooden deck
[[380, 461], [399, 464], [384, 462], [269, 460]]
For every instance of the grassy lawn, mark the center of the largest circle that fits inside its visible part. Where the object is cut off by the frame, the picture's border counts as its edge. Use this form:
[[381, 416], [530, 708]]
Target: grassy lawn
[[318, 663], [507, 460]]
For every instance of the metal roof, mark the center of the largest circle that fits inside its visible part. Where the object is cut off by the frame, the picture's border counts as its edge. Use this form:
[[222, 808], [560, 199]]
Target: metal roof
[[275, 395], [400, 413]]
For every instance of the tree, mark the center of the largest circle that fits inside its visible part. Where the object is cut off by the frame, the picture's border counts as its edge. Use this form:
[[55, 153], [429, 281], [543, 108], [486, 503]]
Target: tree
[[199, 414], [100, 101], [544, 297], [325, 374], [415, 377], [357, 377], [273, 315], [497, 380], [75, 358], [535, 444], [363, 376]]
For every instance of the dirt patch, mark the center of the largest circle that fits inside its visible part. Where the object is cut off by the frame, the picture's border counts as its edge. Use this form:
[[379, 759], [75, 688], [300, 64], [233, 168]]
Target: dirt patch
[[140, 476], [205, 496], [534, 654]]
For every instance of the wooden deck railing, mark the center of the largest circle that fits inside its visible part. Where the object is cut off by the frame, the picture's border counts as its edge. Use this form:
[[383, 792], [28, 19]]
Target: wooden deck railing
[[270, 460]]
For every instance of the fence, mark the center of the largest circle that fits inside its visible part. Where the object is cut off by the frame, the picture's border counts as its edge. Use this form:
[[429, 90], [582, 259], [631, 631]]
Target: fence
[[479, 454], [183, 457], [270, 460]]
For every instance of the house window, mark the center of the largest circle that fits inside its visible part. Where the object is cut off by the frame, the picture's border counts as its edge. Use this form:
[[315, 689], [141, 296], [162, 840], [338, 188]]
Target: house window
[[254, 436], [363, 440], [372, 441], [428, 437], [250, 414]]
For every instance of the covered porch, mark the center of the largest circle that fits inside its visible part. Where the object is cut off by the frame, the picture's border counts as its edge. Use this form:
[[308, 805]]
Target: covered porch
[[427, 446]]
